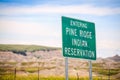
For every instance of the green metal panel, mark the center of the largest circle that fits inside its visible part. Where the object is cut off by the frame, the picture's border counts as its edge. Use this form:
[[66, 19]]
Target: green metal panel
[[78, 39]]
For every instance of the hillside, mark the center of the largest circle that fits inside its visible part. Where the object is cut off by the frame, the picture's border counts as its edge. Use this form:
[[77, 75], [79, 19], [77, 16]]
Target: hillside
[[22, 49], [52, 63], [115, 58]]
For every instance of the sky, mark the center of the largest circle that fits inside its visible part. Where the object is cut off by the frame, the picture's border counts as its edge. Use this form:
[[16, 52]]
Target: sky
[[39, 22]]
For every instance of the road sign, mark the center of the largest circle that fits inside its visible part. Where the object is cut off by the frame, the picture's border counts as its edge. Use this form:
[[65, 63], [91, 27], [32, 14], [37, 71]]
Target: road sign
[[78, 39]]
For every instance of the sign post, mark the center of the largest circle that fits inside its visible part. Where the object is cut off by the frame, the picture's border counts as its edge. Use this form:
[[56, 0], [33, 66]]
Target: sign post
[[66, 68], [78, 40], [90, 70]]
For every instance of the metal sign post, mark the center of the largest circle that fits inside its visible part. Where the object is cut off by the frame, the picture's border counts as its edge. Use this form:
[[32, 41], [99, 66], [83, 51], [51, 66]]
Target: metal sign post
[[66, 68], [90, 70]]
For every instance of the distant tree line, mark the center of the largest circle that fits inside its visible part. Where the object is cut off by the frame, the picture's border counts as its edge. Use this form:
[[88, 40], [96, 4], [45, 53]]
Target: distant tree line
[[20, 52], [23, 52]]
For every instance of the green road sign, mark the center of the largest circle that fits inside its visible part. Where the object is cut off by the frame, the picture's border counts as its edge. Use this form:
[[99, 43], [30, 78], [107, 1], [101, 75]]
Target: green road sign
[[78, 39]]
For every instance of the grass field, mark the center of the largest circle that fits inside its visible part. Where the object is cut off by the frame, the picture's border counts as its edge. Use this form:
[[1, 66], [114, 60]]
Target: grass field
[[32, 74], [35, 77]]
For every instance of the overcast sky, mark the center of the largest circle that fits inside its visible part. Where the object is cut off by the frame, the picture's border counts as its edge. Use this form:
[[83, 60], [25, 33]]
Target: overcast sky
[[39, 22]]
